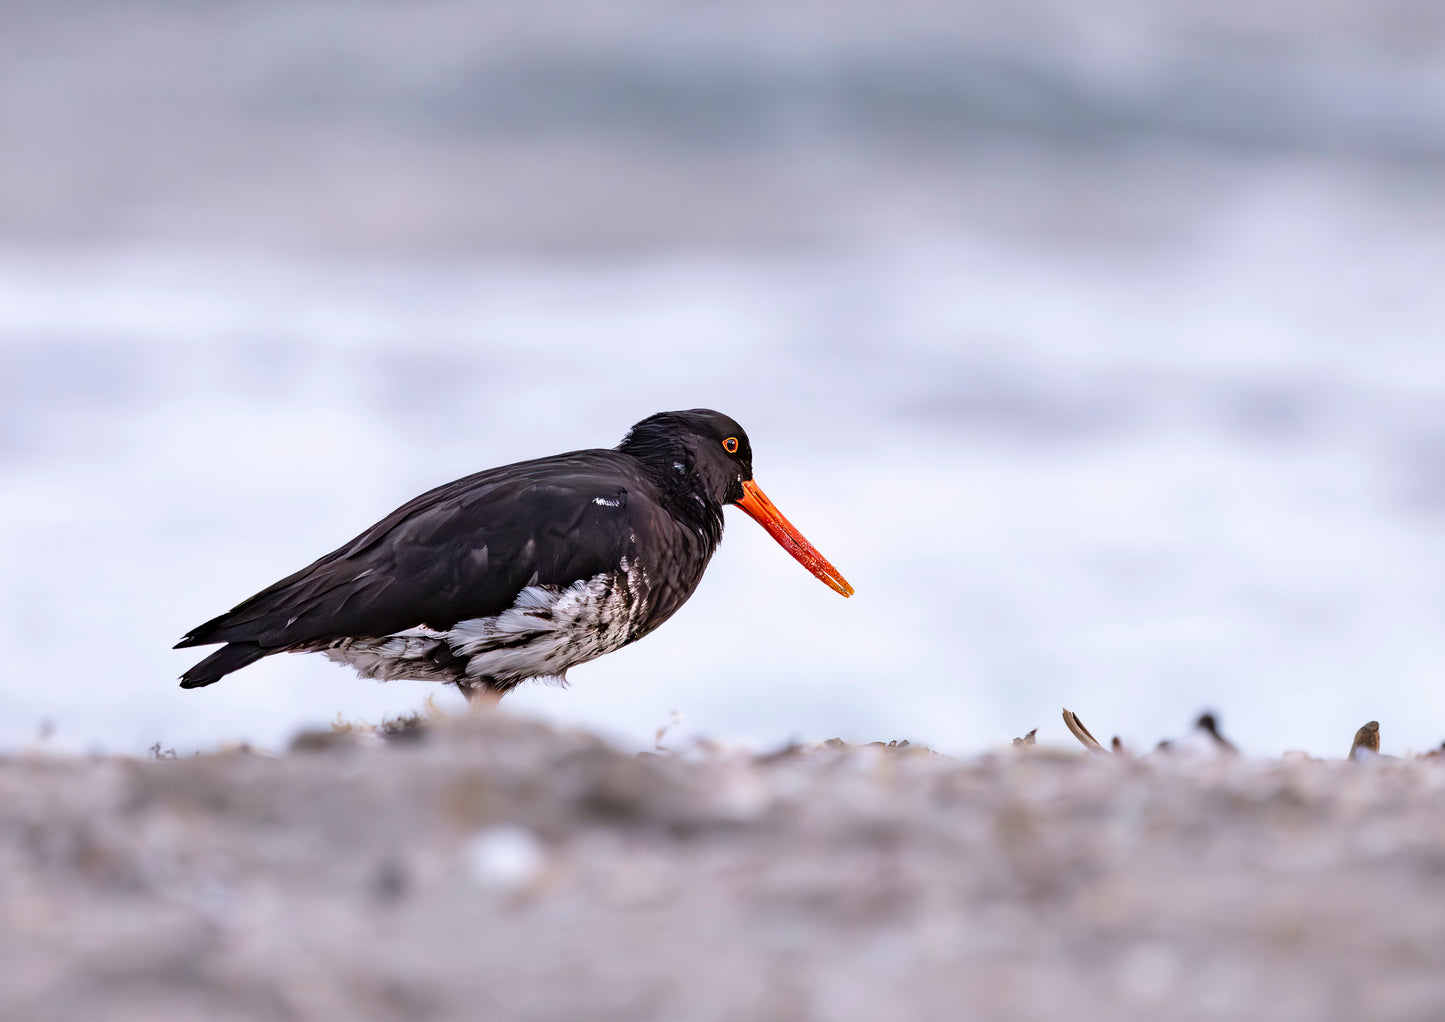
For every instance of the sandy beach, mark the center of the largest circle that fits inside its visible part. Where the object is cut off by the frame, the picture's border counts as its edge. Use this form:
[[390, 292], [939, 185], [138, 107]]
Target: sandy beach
[[491, 868]]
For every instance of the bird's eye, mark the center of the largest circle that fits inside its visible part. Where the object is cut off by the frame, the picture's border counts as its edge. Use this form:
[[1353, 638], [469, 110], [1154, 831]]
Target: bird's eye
[[731, 445]]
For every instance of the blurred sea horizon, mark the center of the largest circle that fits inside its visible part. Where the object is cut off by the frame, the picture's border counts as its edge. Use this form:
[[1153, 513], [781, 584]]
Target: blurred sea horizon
[[1098, 348]]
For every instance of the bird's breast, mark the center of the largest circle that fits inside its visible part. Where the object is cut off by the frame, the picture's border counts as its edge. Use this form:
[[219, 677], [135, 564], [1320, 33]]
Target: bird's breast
[[672, 561]]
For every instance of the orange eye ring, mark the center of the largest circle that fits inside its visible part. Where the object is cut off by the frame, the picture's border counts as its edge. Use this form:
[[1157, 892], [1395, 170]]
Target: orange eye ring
[[731, 445]]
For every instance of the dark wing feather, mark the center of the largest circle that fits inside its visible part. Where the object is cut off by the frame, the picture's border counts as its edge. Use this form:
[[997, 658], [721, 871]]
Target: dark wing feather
[[460, 551]]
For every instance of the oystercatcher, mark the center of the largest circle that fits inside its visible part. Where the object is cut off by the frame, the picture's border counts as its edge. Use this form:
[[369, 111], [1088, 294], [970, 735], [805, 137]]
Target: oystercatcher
[[518, 572]]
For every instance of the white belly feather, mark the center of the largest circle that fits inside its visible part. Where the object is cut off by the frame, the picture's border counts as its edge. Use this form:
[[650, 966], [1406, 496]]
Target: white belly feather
[[547, 630]]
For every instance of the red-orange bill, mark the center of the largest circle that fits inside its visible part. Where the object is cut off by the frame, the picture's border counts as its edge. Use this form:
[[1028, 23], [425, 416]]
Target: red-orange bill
[[756, 503]]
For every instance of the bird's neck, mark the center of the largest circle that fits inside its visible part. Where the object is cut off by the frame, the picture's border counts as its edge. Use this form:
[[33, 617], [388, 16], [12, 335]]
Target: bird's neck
[[694, 508], [683, 493], [685, 500]]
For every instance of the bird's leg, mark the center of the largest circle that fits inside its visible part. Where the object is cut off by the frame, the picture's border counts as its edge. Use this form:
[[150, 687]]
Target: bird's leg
[[479, 693]]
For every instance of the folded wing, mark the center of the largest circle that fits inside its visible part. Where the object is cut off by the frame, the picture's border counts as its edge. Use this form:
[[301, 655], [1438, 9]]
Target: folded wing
[[461, 551]]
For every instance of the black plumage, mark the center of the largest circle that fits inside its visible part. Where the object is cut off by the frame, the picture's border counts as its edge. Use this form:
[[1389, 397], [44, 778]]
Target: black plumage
[[519, 571]]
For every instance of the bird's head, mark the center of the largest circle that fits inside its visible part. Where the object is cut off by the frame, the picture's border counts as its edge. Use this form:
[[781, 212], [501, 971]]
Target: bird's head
[[708, 454]]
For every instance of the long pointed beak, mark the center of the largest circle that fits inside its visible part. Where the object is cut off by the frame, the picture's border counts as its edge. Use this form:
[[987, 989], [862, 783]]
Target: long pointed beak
[[756, 503]]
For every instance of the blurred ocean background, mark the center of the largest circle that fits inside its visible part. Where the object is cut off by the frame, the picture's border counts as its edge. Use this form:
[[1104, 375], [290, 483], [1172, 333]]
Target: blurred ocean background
[[1100, 346]]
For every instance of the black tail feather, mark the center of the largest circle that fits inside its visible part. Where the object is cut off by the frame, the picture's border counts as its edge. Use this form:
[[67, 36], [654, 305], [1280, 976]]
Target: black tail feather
[[230, 657]]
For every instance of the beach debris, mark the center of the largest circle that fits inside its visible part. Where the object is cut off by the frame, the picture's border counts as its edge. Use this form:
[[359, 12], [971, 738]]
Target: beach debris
[[1077, 729], [324, 740], [1208, 725], [1367, 742], [1202, 742], [674, 720]]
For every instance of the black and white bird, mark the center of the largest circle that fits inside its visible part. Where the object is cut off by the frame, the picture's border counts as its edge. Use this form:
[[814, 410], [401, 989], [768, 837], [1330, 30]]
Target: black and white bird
[[517, 572]]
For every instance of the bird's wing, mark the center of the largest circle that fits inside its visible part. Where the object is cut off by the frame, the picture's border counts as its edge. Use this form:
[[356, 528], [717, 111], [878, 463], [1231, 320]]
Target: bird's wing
[[461, 551]]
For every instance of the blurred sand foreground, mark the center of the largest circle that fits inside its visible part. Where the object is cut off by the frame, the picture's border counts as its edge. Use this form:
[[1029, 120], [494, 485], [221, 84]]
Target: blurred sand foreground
[[488, 868]]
